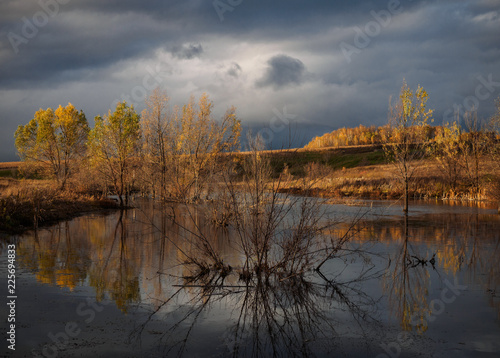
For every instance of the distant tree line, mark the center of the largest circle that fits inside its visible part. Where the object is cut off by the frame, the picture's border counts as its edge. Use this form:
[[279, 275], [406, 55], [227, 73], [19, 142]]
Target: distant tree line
[[461, 150], [363, 135], [373, 135]]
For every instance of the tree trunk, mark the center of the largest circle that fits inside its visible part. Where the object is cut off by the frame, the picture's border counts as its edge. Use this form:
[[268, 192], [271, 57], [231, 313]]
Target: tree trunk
[[406, 197], [120, 193], [120, 197], [406, 227], [62, 184]]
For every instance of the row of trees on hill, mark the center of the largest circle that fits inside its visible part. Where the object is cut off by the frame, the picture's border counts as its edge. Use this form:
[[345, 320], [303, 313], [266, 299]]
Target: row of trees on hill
[[372, 135], [167, 152]]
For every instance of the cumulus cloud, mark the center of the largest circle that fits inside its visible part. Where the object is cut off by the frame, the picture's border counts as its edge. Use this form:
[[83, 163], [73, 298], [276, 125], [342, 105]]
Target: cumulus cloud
[[283, 71]]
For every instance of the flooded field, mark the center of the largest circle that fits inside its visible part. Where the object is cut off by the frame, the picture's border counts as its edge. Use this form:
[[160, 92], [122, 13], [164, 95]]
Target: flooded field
[[119, 285]]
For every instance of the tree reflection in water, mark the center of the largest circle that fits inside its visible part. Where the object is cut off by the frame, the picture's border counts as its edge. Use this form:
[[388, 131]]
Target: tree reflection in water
[[81, 251], [281, 302], [451, 245], [277, 312], [270, 315], [407, 284]]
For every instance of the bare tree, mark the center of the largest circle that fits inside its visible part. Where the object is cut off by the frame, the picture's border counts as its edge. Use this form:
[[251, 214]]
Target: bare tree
[[157, 128], [185, 149], [494, 151], [473, 149]]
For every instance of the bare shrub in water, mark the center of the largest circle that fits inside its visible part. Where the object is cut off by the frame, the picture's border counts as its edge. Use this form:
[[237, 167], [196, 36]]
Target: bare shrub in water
[[278, 234]]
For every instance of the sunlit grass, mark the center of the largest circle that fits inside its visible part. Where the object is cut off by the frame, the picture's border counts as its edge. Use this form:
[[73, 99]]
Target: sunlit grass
[[29, 203]]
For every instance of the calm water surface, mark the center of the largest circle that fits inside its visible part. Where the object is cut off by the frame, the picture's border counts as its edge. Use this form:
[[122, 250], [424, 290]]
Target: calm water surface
[[426, 286]]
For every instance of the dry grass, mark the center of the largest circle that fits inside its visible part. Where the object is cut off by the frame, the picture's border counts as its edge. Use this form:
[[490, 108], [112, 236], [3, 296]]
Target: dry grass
[[9, 165], [11, 186], [27, 204], [381, 182]]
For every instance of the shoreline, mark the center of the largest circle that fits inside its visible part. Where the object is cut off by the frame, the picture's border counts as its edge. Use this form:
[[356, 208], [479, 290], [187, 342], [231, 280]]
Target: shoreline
[[21, 217]]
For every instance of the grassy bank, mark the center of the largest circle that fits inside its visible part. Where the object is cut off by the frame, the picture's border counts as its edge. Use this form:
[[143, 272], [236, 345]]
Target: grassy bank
[[9, 169], [380, 182], [27, 204], [363, 172]]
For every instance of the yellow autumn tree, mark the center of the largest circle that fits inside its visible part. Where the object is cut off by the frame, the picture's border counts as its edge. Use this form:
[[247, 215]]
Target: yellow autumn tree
[[405, 116], [55, 140], [113, 144], [446, 149]]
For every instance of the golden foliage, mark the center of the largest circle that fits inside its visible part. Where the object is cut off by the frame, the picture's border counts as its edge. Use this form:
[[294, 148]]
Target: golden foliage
[[54, 140]]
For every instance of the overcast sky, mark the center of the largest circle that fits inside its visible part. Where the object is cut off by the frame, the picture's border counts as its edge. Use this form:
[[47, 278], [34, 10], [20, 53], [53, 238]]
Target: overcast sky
[[319, 64]]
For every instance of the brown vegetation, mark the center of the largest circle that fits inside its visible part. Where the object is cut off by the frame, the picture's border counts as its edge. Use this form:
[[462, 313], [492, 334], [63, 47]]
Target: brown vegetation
[[27, 204], [380, 182], [9, 165]]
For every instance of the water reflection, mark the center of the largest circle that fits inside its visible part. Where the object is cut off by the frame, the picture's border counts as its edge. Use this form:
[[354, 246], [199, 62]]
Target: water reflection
[[291, 316], [407, 284], [136, 258], [86, 251], [441, 245], [56, 256]]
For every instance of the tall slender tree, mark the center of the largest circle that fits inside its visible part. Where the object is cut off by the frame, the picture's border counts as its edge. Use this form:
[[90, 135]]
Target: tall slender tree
[[157, 129], [473, 148], [408, 117]]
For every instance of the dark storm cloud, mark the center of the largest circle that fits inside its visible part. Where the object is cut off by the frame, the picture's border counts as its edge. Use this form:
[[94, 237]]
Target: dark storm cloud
[[71, 39], [283, 71], [252, 19], [38, 43], [187, 51], [58, 48], [167, 9], [446, 46]]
